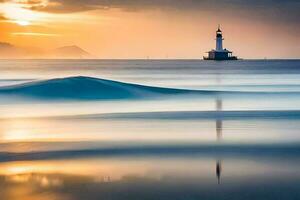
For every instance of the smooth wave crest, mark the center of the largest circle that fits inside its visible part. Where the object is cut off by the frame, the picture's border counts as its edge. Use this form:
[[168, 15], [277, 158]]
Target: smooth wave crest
[[88, 88], [81, 87], [190, 115]]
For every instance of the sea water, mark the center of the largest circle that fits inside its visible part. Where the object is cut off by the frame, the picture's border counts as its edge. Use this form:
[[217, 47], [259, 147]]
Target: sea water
[[236, 138]]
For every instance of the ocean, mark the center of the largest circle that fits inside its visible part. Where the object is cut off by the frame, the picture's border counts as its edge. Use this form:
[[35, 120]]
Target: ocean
[[149, 129]]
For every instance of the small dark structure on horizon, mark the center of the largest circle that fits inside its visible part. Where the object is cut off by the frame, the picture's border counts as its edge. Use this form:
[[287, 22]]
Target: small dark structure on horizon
[[219, 53]]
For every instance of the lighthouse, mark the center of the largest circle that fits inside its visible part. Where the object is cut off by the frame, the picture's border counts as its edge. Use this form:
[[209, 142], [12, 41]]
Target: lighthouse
[[219, 40], [219, 53]]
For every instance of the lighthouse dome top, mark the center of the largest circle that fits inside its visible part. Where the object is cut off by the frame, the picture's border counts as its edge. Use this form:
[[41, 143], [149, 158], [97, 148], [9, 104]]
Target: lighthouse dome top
[[219, 33]]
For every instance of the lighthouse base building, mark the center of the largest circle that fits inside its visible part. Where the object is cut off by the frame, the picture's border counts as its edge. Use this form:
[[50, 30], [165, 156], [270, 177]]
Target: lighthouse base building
[[219, 53]]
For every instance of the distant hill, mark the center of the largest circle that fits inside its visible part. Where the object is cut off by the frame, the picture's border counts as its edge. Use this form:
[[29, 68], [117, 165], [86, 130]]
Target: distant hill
[[70, 52], [8, 51], [5, 45]]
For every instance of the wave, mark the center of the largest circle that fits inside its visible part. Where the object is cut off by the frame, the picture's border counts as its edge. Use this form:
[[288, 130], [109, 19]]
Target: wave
[[88, 88], [81, 87], [191, 115]]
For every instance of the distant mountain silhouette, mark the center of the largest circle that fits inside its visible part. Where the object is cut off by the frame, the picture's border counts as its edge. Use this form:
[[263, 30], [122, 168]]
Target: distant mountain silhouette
[[70, 52], [8, 51], [4, 45]]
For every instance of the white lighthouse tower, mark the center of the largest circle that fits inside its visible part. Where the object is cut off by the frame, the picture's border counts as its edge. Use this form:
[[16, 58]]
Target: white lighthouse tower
[[219, 40], [219, 53]]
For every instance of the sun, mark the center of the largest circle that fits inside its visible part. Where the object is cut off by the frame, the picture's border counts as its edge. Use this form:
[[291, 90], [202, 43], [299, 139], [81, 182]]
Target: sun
[[23, 22], [17, 14]]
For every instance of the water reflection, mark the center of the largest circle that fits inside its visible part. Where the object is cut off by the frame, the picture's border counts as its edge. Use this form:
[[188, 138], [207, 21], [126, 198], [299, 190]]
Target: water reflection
[[155, 177], [219, 170], [219, 122], [219, 131]]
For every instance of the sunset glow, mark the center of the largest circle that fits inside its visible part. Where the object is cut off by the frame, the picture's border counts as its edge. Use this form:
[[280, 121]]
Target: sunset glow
[[140, 27], [17, 13], [23, 23], [149, 99]]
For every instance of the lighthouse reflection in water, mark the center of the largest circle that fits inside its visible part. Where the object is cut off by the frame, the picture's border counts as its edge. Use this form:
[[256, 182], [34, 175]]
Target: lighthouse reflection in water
[[219, 127]]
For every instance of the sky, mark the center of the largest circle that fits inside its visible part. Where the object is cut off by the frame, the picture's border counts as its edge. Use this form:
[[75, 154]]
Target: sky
[[182, 29]]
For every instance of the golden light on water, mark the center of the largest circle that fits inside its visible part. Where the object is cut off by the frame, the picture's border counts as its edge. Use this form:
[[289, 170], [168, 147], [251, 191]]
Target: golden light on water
[[54, 179]]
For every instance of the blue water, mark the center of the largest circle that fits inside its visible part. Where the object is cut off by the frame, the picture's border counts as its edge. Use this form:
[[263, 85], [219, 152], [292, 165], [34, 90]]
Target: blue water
[[149, 129]]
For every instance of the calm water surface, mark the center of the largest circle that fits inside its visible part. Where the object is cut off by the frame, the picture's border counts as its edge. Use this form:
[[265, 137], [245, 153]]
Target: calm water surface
[[241, 141]]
